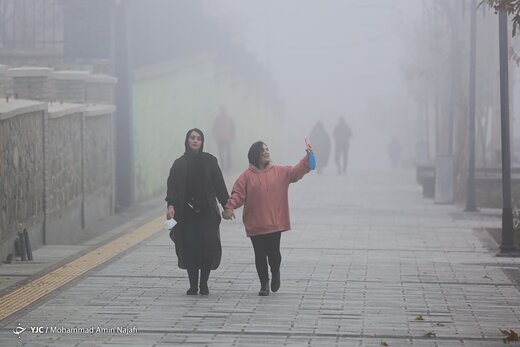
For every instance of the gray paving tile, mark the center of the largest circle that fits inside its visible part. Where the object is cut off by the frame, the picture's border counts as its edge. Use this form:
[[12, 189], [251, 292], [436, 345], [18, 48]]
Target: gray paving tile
[[365, 258]]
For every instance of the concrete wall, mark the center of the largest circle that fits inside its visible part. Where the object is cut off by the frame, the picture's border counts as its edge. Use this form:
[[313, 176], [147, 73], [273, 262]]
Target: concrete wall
[[21, 171], [64, 152], [169, 99], [56, 172], [98, 163]]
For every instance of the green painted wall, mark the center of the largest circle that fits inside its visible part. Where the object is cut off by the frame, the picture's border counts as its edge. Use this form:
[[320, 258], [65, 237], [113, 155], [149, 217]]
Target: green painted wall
[[171, 98]]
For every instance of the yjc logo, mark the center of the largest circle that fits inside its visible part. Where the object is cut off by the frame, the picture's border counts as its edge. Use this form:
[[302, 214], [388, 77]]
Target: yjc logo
[[19, 330], [38, 330]]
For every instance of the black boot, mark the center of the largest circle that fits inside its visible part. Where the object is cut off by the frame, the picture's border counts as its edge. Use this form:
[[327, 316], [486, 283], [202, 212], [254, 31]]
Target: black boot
[[204, 276], [193, 275], [275, 281], [192, 291], [264, 288], [204, 290]]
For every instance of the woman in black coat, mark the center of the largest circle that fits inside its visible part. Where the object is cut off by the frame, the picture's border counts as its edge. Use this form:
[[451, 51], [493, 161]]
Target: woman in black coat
[[195, 184]]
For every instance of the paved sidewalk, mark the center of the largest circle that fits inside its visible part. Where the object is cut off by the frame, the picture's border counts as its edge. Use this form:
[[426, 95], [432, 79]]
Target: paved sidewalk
[[52, 256], [366, 259]]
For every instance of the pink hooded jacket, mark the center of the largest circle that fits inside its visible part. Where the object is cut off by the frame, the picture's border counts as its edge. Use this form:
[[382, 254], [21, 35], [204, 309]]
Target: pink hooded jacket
[[264, 194]]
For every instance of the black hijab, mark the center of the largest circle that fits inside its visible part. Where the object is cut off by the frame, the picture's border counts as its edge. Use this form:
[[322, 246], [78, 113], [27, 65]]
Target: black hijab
[[195, 185]]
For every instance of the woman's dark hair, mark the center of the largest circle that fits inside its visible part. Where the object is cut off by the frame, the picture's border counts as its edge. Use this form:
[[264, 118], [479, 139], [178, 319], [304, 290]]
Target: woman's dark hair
[[255, 152], [197, 130]]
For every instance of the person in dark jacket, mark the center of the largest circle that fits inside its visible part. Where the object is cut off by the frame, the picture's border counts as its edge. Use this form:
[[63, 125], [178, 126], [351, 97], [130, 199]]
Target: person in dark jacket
[[194, 185], [342, 134], [321, 144]]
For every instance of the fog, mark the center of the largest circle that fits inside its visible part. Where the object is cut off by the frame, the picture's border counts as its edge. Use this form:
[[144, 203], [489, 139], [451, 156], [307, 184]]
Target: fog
[[336, 58], [390, 68]]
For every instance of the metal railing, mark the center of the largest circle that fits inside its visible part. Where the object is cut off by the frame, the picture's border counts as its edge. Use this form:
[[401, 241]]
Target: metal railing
[[31, 24]]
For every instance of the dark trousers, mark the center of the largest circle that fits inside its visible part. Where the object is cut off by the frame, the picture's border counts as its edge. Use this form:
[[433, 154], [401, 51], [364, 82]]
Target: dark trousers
[[341, 157], [267, 249]]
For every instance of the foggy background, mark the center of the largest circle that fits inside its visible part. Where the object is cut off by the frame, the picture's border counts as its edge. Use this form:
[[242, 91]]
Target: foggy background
[[335, 58], [393, 69]]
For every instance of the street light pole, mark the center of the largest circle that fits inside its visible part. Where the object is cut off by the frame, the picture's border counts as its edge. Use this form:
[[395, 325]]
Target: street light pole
[[508, 247], [471, 205], [123, 124]]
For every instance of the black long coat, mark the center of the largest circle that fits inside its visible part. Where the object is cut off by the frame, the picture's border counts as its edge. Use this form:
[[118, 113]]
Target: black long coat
[[215, 189]]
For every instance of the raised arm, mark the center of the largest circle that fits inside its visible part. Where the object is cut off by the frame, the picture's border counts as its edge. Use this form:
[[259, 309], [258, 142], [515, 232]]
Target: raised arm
[[299, 170]]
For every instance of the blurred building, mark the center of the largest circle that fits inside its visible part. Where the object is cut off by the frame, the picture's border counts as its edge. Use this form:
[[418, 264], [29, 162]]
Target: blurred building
[[175, 63]]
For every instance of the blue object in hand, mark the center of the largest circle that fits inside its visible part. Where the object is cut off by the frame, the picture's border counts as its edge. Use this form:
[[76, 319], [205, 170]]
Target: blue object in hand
[[312, 160]]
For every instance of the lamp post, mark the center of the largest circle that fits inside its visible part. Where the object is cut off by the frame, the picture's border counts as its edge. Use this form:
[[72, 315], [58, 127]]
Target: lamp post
[[124, 150], [508, 247], [471, 205]]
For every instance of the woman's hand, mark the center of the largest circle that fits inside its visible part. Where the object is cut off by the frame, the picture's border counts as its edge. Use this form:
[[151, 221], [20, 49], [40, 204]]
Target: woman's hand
[[308, 147], [228, 214], [171, 212]]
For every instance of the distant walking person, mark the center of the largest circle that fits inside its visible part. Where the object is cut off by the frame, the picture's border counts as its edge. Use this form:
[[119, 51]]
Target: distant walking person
[[321, 145], [194, 185], [224, 132], [263, 191], [342, 134]]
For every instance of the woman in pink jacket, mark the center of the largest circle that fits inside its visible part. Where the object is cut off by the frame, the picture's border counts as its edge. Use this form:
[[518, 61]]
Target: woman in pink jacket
[[263, 190]]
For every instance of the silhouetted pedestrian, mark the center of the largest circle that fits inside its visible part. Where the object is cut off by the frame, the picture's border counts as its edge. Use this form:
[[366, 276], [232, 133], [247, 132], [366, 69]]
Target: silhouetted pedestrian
[[224, 133], [320, 140], [342, 134]]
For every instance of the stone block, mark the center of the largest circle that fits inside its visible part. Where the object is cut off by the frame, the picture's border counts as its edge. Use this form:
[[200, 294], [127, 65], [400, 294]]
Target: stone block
[[100, 89], [70, 86], [33, 83]]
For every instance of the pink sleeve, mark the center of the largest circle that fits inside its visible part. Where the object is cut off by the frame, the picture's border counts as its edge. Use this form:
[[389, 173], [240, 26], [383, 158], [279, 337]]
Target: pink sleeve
[[299, 170], [238, 193]]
